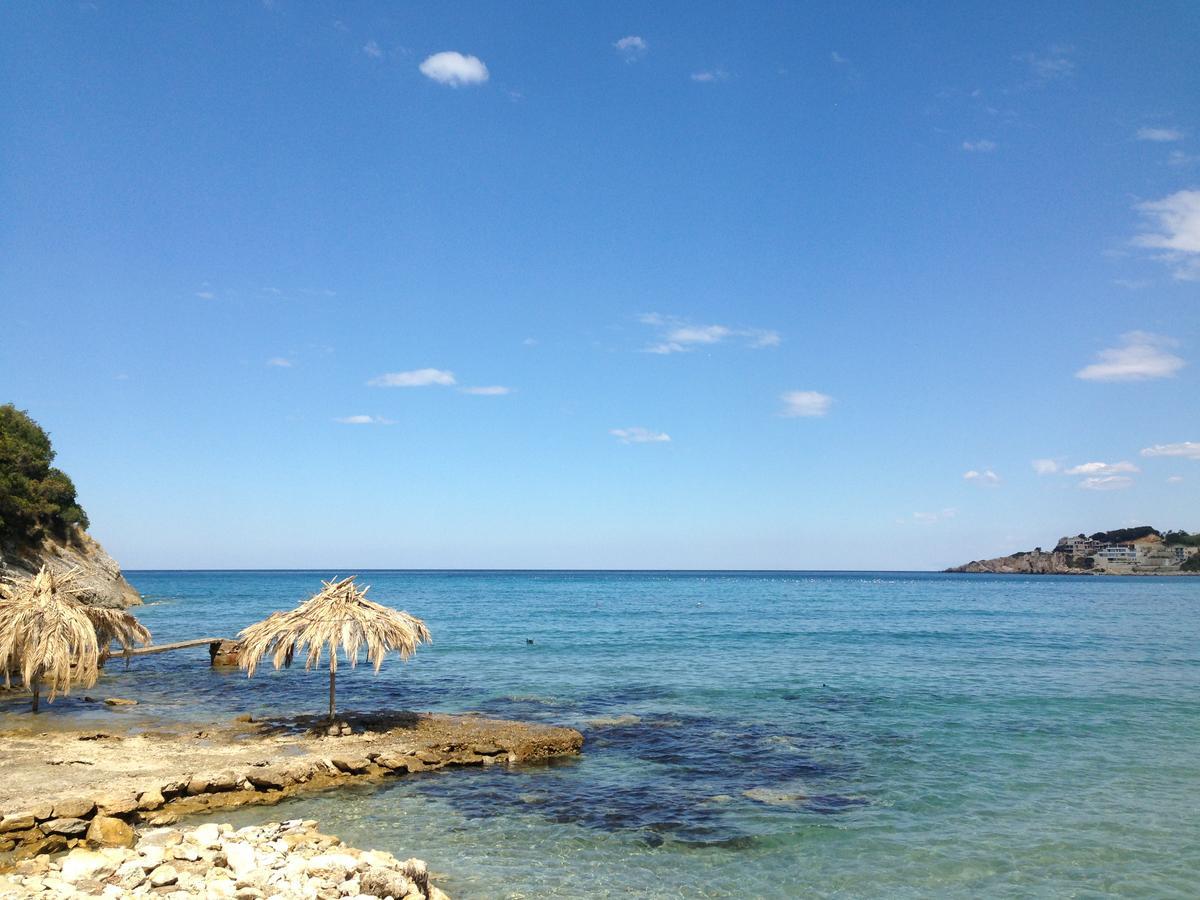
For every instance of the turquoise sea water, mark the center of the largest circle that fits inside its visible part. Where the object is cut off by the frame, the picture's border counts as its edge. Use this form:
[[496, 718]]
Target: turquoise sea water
[[753, 734]]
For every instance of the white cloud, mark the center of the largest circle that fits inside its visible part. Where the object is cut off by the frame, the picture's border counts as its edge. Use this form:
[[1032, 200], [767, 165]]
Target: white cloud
[[1174, 479], [1179, 158], [838, 58], [1173, 225], [1159, 135], [631, 47], [987, 477], [279, 362], [454, 69], [805, 403], [929, 518], [491, 390], [1107, 483], [1053, 65], [206, 295], [1045, 466], [710, 75], [678, 336], [1142, 357], [638, 435], [373, 50], [364, 420], [1187, 449], [980, 146], [1102, 468], [529, 342], [415, 378]]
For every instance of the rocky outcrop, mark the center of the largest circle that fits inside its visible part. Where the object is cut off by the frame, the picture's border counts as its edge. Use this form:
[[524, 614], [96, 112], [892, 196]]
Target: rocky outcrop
[[287, 860], [76, 789], [101, 577], [1035, 562]]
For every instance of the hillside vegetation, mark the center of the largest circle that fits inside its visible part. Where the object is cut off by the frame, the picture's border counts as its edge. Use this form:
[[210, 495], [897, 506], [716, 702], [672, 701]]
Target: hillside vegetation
[[37, 500]]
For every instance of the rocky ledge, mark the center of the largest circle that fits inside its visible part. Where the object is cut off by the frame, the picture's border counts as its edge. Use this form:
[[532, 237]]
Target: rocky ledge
[[288, 860], [1035, 562], [99, 575], [64, 790]]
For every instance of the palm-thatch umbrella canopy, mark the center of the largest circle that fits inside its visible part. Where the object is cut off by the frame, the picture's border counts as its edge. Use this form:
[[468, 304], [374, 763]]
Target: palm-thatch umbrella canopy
[[339, 615], [50, 637]]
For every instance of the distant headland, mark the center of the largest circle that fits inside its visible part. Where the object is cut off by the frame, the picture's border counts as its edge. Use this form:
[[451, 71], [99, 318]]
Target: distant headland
[[1143, 550]]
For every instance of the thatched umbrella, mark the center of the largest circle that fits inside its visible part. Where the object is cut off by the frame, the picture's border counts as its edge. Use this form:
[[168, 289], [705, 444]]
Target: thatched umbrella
[[49, 636], [339, 615]]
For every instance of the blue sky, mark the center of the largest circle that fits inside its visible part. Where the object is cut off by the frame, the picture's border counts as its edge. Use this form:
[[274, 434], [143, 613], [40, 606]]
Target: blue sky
[[604, 285]]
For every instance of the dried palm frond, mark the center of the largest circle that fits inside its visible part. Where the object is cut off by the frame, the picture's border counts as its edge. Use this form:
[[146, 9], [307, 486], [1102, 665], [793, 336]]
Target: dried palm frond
[[49, 636], [337, 617]]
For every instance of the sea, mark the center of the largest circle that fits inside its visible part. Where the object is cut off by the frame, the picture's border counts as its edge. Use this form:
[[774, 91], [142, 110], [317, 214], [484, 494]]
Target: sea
[[747, 734]]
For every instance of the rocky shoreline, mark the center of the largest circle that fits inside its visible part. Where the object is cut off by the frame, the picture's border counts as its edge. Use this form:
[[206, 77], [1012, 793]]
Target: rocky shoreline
[[97, 573], [285, 860], [84, 792]]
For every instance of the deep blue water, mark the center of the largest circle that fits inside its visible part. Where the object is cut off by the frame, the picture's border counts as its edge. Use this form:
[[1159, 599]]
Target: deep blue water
[[753, 734]]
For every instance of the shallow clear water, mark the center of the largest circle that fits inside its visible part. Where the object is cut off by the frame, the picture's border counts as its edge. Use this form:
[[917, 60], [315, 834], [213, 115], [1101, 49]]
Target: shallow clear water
[[761, 734]]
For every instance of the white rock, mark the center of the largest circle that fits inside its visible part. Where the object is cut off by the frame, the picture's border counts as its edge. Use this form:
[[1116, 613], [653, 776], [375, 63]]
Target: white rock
[[332, 864], [207, 835], [240, 857], [80, 864], [164, 875], [152, 856]]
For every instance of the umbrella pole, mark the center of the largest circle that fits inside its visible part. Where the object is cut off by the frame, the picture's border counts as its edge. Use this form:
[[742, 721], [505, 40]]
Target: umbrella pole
[[332, 686], [37, 687]]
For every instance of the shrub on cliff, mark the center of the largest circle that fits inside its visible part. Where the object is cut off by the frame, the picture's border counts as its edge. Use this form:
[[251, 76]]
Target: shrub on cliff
[[1191, 564], [36, 499]]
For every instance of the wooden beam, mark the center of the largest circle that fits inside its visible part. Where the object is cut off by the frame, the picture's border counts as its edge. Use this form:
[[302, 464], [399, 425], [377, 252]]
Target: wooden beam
[[163, 648]]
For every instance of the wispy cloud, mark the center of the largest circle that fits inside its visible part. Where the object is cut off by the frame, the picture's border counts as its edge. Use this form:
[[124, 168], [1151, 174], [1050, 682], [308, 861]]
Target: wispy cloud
[[707, 76], [1186, 449], [984, 477], [490, 390], [678, 335], [631, 48], [1178, 158], [414, 378], [454, 69], [979, 146], [797, 404], [373, 50], [1142, 356], [929, 518], [1159, 135], [839, 59], [280, 362], [1107, 483], [639, 435], [1173, 229], [206, 295], [1054, 64], [1045, 466], [364, 420], [1174, 479], [1102, 468]]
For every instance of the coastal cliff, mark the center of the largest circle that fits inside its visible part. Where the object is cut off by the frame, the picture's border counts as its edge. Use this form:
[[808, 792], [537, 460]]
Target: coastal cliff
[[98, 573], [1034, 562], [41, 520], [1136, 550]]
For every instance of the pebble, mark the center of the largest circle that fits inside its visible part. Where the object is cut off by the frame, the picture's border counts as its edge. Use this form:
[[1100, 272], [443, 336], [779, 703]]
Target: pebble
[[287, 860]]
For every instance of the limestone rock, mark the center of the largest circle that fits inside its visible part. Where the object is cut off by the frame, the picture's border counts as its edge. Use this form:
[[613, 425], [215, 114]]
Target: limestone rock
[[17, 822], [164, 875], [71, 827], [106, 831], [150, 800], [100, 577], [73, 808]]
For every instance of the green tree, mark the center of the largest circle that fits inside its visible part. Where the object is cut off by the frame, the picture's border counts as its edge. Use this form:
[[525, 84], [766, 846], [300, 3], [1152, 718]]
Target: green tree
[[36, 499]]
